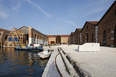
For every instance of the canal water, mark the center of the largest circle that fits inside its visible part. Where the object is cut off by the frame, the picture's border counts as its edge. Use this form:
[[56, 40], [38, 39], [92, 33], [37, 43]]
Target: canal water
[[20, 63]]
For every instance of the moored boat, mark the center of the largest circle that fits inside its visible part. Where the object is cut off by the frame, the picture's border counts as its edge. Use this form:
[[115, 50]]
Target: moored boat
[[44, 54], [34, 47]]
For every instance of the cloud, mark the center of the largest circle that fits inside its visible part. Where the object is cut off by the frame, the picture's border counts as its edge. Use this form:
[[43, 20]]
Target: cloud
[[94, 11], [39, 8], [17, 7], [100, 7], [2, 13], [70, 22]]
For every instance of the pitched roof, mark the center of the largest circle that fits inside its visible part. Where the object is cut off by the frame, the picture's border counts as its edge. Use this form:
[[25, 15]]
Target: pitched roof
[[72, 33], [64, 35], [4, 30], [58, 35], [107, 11], [79, 29], [94, 23], [23, 27]]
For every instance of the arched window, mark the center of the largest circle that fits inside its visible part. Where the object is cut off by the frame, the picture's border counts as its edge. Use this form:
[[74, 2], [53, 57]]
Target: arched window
[[83, 39], [87, 27], [104, 35], [77, 40], [35, 39], [6, 37], [38, 39], [87, 37], [92, 38]]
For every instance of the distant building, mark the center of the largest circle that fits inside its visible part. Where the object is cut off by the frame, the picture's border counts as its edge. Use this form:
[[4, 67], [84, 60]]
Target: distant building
[[72, 38], [103, 31], [23, 36], [34, 36], [77, 36], [57, 39], [88, 32], [5, 35]]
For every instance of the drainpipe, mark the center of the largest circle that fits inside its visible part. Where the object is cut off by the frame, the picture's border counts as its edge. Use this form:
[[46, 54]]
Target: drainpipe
[[96, 34]]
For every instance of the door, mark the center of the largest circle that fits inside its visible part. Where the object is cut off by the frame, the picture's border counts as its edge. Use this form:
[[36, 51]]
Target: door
[[115, 37]]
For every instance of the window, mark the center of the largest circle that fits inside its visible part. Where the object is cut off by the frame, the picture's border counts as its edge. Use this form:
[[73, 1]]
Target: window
[[35, 39], [87, 37], [87, 27], [83, 39], [104, 35], [6, 37], [92, 37], [115, 12], [77, 39]]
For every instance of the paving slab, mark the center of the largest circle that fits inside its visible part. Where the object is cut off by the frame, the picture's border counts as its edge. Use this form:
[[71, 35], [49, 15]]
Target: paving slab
[[98, 64]]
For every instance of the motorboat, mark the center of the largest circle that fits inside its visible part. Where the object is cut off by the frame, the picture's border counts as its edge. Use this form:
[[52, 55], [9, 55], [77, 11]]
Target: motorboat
[[44, 54], [29, 47]]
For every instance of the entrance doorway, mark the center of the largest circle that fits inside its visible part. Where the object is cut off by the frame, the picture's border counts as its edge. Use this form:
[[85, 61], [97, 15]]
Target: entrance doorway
[[58, 39], [115, 37]]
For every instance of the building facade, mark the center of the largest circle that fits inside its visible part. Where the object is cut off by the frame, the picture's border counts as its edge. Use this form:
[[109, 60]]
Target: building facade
[[34, 36], [77, 36], [72, 38], [107, 27], [58, 39], [4, 36], [102, 31], [88, 32]]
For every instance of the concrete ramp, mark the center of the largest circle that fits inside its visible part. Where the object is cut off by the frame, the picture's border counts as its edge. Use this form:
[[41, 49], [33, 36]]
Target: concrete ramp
[[89, 47]]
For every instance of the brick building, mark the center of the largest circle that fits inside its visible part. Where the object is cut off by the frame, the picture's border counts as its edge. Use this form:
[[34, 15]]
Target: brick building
[[107, 27], [88, 32], [72, 38], [102, 31], [34, 36], [77, 36], [57, 39], [5, 35]]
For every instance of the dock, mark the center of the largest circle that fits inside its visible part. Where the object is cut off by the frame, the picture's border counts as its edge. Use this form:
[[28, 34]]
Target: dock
[[85, 64]]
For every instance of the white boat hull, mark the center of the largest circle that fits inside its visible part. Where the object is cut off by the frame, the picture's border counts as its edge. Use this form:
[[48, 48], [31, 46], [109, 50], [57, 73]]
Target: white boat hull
[[44, 55]]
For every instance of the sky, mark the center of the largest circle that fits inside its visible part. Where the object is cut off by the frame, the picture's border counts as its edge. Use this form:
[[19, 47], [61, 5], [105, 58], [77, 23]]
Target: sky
[[51, 17]]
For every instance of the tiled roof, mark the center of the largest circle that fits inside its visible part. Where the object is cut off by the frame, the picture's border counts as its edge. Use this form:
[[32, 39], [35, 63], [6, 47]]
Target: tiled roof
[[58, 35], [113, 5], [4, 30], [93, 22], [79, 29]]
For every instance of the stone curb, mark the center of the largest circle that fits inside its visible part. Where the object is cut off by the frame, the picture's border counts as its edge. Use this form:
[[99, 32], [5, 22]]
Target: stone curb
[[81, 72], [72, 71]]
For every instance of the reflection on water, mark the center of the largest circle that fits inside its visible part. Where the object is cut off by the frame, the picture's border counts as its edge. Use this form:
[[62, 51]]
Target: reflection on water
[[20, 63]]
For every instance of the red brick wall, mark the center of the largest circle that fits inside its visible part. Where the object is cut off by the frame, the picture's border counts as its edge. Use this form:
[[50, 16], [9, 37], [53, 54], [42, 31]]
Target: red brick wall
[[90, 30], [107, 23]]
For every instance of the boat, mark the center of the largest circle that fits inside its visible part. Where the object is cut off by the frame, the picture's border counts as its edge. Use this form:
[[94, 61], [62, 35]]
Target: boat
[[44, 54], [29, 47]]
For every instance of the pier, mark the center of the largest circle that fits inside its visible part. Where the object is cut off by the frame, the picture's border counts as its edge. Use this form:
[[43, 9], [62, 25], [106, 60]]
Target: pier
[[84, 64]]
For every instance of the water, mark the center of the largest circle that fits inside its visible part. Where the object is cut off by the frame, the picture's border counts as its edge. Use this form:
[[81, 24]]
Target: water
[[20, 63]]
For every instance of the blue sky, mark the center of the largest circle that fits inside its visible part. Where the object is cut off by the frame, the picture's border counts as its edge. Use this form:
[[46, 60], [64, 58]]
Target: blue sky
[[51, 17]]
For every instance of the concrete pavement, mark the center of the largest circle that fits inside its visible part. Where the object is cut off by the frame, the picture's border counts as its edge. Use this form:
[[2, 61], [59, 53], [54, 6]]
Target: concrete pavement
[[96, 64]]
